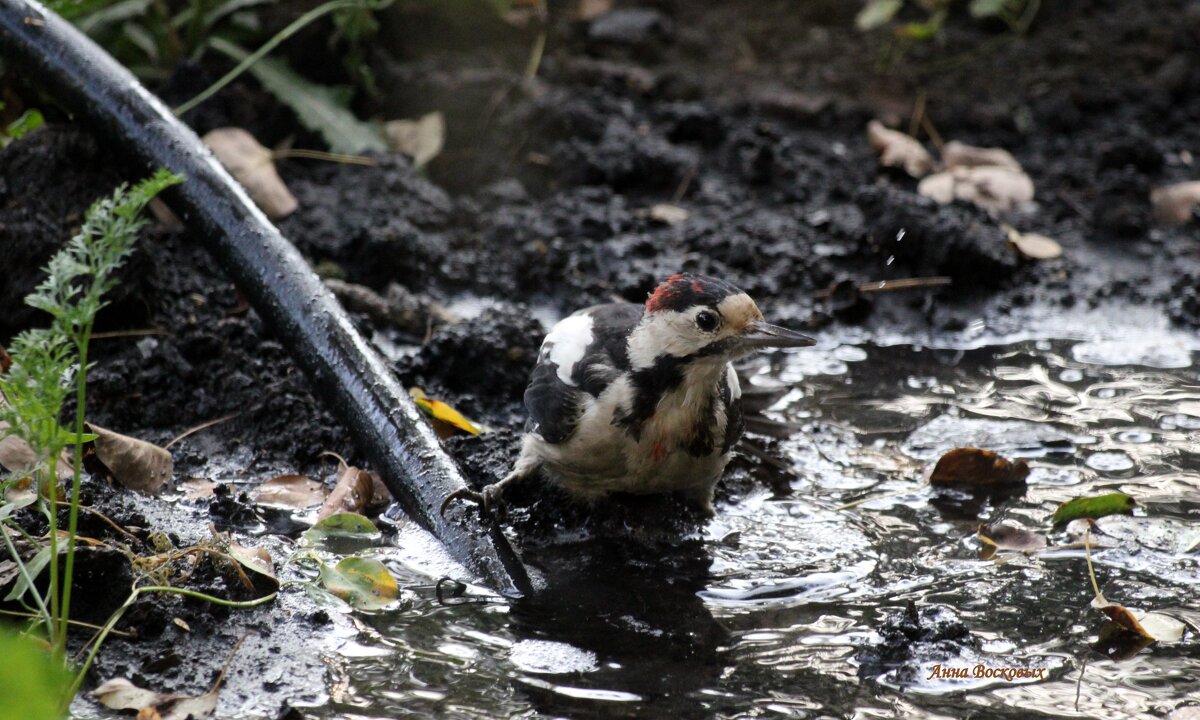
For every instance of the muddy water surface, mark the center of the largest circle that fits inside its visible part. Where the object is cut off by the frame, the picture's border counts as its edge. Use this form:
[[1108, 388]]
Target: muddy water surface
[[774, 611]]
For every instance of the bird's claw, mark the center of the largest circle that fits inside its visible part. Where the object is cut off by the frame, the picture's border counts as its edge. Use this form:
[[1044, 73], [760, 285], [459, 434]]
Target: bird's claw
[[486, 500]]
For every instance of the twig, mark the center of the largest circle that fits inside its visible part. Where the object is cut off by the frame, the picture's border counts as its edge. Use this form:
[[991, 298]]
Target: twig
[[105, 518], [321, 155], [875, 286], [918, 113], [198, 428], [111, 334]]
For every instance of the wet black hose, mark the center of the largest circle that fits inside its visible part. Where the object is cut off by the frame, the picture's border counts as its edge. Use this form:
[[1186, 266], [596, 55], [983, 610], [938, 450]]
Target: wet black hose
[[386, 425]]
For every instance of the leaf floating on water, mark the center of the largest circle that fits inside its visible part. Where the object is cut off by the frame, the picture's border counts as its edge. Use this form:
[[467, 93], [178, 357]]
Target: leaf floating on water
[[1156, 626], [1034, 246], [364, 583], [341, 525], [132, 463], [899, 150], [973, 468], [1007, 536], [421, 139], [1093, 508], [442, 412], [251, 165], [352, 492], [289, 492], [1174, 204]]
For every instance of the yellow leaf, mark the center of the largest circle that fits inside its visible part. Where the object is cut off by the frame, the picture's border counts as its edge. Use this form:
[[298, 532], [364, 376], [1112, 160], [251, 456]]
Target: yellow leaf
[[439, 410]]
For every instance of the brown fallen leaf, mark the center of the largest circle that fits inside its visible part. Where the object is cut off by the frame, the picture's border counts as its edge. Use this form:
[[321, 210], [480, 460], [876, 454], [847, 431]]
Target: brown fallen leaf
[[421, 139], [352, 492], [668, 214], [1034, 246], [5, 360], [1008, 536], [132, 463], [899, 150], [592, 9], [252, 165], [258, 561], [121, 694], [1156, 626], [17, 455], [197, 488], [989, 186], [1173, 204], [956, 154], [289, 492], [972, 468]]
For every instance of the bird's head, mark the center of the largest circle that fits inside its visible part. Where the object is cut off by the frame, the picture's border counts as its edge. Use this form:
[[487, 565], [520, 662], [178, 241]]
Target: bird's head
[[703, 319]]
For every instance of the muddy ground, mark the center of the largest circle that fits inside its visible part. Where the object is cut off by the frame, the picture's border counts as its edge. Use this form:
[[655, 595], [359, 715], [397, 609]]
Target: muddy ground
[[751, 116]]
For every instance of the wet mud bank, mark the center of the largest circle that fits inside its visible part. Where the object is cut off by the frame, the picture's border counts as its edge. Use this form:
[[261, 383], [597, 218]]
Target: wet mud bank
[[750, 119]]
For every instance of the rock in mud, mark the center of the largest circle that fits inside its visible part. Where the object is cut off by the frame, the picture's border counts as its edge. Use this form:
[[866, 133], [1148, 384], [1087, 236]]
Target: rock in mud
[[639, 29], [925, 238], [490, 355], [1122, 207]]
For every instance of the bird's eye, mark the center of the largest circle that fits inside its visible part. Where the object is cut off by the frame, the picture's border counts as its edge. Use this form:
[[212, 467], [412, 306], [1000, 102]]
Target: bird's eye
[[707, 321]]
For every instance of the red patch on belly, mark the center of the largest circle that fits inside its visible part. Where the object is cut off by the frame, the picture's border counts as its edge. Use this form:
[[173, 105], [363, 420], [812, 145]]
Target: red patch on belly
[[658, 452]]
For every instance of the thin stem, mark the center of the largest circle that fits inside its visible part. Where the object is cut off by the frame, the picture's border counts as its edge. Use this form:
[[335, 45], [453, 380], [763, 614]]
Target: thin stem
[[296, 26], [37, 598], [73, 514], [120, 612], [321, 155], [77, 623], [59, 648]]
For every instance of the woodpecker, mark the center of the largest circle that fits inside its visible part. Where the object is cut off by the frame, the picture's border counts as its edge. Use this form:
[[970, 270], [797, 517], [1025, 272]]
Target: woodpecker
[[641, 399]]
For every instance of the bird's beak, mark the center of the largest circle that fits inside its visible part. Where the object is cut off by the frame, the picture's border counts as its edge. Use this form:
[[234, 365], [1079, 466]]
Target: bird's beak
[[764, 335]]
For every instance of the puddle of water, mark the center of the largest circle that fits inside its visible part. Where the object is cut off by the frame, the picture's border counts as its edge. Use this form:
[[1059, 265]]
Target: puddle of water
[[764, 617]]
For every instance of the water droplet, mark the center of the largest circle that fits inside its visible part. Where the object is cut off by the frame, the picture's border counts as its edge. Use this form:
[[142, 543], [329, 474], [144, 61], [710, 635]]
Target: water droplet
[[1071, 375]]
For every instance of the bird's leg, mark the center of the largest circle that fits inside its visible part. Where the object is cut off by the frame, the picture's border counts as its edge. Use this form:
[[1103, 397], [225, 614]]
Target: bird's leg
[[492, 496]]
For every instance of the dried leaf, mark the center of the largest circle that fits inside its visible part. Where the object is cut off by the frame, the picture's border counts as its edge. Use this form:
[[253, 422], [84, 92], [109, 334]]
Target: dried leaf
[[972, 468], [364, 583], [421, 139], [251, 165], [592, 9], [1007, 536], [668, 214], [956, 154], [877, 13], [899, 150], [351, 493], [442, 412], [991, 187], [16, 455], [1173, 204], [1034, 246], [1093, 508], [132, 463], [120, 694], [197, 488], [289, 492], [257, 560], [5, 360], [1156, 626]]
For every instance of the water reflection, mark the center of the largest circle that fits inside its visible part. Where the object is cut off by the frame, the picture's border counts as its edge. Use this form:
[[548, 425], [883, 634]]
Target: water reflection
[[764, 616]]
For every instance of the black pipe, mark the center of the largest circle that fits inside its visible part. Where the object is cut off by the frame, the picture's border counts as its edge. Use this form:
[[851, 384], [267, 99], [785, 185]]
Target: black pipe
[[386, 425]]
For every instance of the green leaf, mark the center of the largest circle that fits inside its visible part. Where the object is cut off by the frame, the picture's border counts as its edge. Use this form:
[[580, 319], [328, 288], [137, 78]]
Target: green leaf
[[1093, 508], [32, 684], [318, 107], [29, 121], [341, 525], [364, 583], [877, 13], [986, 8], [35, 567]]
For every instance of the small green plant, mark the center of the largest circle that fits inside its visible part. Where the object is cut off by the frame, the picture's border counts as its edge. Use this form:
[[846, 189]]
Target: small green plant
[[48, 366], [878, 14]]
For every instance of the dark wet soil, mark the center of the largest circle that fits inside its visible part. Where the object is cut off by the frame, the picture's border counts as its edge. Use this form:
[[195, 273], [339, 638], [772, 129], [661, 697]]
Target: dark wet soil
[[749, 116]]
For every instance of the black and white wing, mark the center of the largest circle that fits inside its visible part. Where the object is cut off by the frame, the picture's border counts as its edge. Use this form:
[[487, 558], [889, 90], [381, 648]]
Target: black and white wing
[[580, 357]]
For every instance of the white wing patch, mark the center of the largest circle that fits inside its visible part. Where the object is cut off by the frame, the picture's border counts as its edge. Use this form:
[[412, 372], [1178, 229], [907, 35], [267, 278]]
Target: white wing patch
[[566, 344], [735, 386]]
